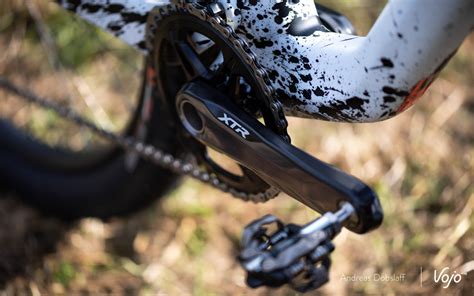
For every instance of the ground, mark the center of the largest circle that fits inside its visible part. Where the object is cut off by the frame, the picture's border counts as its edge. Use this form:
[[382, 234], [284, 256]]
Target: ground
[[421, 164]]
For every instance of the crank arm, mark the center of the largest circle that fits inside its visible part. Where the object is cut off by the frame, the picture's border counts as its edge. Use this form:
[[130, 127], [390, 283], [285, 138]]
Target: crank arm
[[217, 122]]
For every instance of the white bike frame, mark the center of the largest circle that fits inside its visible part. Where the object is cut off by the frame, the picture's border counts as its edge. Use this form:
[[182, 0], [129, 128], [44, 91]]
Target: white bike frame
[[319, 74]]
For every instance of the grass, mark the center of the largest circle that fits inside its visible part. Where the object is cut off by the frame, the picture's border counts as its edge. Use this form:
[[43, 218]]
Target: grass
[[421, 164]]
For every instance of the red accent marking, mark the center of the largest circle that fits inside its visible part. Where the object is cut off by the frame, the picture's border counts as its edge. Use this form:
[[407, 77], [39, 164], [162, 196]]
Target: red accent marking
[[416, 92], [150, 75], [421, 86]]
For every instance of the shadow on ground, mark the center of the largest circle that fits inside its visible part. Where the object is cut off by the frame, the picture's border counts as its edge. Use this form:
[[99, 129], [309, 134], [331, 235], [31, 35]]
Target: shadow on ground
[[26, 236], [38, 251]]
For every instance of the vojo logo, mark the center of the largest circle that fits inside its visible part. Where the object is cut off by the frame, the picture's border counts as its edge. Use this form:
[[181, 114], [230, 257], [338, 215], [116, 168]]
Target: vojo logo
[[233, 124], [446, 277]]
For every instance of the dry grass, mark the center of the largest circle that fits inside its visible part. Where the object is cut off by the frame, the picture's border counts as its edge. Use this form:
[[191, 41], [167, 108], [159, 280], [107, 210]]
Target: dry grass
[[421, 164]]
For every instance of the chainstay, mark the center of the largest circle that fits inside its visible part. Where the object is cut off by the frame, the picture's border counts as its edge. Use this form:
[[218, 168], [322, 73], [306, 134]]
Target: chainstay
[[130, 144]]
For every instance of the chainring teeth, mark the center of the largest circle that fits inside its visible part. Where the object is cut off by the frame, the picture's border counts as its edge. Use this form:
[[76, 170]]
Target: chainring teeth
[[261, 75], [264, 91]]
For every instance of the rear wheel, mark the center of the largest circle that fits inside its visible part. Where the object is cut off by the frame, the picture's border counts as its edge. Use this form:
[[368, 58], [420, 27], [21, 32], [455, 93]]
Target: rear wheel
[[61, 168]]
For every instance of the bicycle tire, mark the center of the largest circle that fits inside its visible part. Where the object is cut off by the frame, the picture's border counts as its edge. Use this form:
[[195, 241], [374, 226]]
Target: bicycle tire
[[72, 185]]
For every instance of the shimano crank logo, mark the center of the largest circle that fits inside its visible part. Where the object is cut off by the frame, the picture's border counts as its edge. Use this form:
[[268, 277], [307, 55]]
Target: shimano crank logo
[[233, 124]]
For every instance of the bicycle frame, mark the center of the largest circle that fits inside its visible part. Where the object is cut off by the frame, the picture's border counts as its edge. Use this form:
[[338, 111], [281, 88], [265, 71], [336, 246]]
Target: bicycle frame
[[319, 74]]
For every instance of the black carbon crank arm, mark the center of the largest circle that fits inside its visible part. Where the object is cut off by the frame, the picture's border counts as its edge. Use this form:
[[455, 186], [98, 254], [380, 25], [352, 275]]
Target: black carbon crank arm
[[217, 122]]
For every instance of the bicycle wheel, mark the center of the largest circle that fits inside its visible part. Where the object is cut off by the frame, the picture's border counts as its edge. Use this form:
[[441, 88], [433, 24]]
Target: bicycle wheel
[[59, 168]]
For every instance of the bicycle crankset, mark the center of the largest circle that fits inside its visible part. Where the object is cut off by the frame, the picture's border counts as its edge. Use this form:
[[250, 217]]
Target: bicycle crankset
[[208, 76]]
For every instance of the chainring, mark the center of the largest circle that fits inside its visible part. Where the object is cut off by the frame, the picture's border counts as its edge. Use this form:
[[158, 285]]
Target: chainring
[[190, 41]]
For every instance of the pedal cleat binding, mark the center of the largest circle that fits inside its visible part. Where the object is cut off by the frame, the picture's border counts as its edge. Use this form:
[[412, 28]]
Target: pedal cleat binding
[[292, 254]]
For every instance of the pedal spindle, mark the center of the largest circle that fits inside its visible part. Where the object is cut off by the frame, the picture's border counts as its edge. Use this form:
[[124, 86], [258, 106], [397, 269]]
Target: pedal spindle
[[292, 254]]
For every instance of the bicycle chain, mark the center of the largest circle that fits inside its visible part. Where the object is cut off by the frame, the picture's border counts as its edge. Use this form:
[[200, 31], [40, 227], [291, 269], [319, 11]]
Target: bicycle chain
[[155, 155], [146, 151]]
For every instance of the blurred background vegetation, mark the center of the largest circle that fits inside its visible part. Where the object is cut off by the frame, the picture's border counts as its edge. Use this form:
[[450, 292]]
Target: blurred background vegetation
[[421, 164]]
